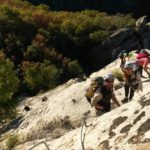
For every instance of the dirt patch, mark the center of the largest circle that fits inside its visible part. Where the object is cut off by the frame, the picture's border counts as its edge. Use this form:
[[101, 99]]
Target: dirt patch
[[135, 139], [147, 140], [144, 102], [117, 122], [120, 139], [123, 110], [104, 145], [111, 134], [126, 128], [136, 112], [138, 118], [144, 127]]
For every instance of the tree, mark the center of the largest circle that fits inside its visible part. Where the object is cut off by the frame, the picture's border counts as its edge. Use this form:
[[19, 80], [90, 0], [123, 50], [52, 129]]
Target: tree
[[74, 69], [8, 81], [8, 86], [41, 77]]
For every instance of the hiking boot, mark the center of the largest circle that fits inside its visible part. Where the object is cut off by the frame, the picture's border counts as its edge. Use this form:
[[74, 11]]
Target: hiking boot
[[125, 100], [148, 73], [143, 77], [130, 99]]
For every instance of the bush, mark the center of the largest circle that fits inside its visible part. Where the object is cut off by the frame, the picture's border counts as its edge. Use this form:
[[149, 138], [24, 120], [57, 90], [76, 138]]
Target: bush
[[118, 74], [74, 68], [98, 36], [8, 81], [12, 141], [42, 76]]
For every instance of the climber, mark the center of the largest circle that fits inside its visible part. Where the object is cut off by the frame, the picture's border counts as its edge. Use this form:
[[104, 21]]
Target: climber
[[143, 60], [123, 55], [137, 67], [103, 95], [132, 55], [132, 81]]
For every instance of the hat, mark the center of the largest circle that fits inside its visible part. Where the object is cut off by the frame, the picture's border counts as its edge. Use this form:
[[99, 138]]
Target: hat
[[128, 65], [123, 53], [109, 76], [143, 51]]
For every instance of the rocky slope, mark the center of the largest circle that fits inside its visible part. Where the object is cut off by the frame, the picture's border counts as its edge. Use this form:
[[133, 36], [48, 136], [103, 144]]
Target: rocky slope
[[59, 120]]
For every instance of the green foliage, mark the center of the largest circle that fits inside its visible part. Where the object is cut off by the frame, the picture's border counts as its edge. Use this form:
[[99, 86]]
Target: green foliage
[[118, 74], [74, 68], [41, 76], [98, 36], [8, 86], [69, 27], [29, 35], [8, 81], [7, 112], [34, 53], [12, 141], [7, 13]]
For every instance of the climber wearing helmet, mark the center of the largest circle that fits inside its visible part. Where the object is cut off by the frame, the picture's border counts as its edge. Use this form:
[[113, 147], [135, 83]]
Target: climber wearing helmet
[[132, 81], [103, 95]]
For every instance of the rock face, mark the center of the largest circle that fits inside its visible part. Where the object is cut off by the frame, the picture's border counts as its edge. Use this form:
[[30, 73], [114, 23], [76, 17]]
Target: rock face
[[141, 21], [66, 117], [125, 38]]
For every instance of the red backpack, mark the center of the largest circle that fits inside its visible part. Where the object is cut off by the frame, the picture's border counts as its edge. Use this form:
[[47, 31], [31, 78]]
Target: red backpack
[[141, 55]]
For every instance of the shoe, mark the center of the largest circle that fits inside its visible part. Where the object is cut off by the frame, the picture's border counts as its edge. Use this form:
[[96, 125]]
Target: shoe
[[143, 77], [148, 74], [125, 100], [130, 99]]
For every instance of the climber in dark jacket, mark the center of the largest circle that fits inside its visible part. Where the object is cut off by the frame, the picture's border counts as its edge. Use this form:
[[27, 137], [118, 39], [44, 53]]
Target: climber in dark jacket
[[103, 95]]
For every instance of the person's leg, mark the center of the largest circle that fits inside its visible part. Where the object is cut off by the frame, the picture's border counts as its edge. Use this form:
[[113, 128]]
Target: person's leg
[[145, 64], [107, 107], [88, 99], [131, 93], [132, 90], [126, 88], [99, 112], [140, 69]]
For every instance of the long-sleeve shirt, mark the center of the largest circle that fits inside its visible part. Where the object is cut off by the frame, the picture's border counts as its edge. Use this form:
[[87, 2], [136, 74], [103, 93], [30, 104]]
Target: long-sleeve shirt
[[104, 95]]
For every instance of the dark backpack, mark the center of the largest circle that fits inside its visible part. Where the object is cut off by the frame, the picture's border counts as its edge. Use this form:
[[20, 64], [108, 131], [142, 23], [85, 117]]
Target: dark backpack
[[121, 54], [97, 82]]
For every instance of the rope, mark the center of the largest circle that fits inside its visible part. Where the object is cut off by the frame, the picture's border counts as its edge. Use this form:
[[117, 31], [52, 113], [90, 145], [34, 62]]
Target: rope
[[86, 126], [82, 139], [43, 142]]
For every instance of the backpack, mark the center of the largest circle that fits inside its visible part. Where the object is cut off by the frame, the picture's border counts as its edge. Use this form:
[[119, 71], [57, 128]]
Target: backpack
[[98, 82], [141, 55], [122, 54]]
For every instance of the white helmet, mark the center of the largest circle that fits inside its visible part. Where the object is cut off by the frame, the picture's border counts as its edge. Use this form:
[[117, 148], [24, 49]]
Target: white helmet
[[109, 76], [128, 65]]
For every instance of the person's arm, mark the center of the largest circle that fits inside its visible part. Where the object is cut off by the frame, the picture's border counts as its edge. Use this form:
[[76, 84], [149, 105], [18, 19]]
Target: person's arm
[[147, 51], [97, 97], [138, 78], [99, 107], [137, 84], [114, 99]]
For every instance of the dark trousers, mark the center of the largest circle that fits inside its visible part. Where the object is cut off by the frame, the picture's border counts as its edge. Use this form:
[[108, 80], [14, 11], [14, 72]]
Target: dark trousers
[[131, 89], [140, 69]]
